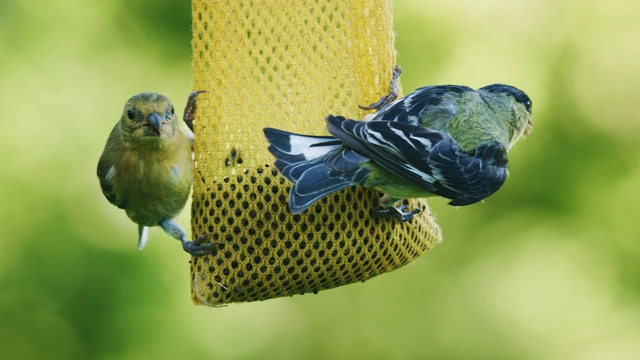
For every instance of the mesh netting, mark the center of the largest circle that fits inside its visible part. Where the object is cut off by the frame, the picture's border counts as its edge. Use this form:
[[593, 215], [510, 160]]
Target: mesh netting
[[287, 64]]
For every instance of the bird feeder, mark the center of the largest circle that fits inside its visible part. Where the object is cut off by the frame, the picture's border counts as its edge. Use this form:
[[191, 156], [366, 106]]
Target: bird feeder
[[287, 64]]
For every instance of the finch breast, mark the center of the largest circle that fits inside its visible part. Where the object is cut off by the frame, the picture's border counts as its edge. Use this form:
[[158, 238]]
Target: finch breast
[[162, 189]]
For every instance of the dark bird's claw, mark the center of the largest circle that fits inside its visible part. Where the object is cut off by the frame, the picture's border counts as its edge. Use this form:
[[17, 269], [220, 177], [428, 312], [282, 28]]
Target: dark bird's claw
[[190, 109], [386, 100], [397, 212], [197, 248]]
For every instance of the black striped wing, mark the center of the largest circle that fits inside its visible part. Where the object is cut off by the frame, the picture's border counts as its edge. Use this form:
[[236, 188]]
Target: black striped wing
[[426, 158]]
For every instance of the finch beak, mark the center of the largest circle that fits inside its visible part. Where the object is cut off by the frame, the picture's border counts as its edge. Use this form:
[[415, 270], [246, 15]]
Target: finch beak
[[155, 122], [529, 127]]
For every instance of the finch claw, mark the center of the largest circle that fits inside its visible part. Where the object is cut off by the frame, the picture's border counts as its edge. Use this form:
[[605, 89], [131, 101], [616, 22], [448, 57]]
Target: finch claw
[[197, 248], [389, 98], [190, 109], [397, 212]]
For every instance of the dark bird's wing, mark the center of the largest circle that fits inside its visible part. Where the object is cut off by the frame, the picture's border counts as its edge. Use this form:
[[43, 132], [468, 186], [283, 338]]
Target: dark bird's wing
[[431, 99], [426, 158]]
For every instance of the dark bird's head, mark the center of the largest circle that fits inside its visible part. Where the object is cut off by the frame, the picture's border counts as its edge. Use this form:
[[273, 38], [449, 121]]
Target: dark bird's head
[[517, 102], [148, 117]]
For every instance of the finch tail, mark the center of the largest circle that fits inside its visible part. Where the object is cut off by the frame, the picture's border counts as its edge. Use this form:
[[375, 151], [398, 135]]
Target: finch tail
[[316, 165], [143, 236]]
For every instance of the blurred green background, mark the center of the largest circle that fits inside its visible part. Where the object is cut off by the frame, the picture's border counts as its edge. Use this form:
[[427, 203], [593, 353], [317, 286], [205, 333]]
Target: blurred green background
[[547, 268]]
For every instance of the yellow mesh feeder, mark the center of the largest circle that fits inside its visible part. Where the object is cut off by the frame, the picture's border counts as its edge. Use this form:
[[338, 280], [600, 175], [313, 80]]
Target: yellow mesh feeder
[[287, 64]]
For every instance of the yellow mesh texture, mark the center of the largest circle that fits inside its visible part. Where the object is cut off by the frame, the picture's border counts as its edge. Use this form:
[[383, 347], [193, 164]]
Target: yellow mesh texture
[[287, 64]]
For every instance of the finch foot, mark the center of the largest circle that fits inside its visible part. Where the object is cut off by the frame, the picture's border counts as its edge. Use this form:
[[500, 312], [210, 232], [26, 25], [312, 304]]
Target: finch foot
[[190, 109], [397, 212], [386, 100], [197, 248]]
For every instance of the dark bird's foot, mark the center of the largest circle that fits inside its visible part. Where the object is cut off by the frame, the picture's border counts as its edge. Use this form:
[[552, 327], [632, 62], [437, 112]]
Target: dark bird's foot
[[190, 109], [197, 248], [397, 212], [386, 100]]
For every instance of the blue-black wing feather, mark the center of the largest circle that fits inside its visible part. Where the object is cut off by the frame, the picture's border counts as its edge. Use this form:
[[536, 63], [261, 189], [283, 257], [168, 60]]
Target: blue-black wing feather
[[426, 158], [409, 109]]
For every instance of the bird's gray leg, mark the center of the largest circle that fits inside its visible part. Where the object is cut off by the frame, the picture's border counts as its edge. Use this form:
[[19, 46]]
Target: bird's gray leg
[[195, 247], [389, 98], [190, 109]]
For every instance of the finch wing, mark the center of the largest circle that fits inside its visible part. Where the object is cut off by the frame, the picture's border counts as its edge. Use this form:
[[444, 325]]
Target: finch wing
[[410, 108], [426, 158], [106, 171]]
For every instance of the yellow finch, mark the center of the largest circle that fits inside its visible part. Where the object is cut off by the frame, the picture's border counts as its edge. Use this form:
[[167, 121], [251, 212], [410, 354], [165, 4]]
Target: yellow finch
[[146, 167]]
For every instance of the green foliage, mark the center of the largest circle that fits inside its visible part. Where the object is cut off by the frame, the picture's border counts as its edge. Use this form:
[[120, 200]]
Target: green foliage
[[545, 268]]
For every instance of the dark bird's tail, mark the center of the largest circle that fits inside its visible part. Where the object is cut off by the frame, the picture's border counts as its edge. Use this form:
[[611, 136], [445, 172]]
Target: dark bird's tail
[[316, 165]]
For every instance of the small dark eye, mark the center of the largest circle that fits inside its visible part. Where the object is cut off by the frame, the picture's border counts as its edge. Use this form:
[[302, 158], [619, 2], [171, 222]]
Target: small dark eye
[[170, 113], [528, 105], [130, 114]]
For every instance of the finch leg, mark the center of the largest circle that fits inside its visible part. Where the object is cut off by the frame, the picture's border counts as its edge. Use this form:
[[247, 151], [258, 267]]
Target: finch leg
[[190, 109], [195, 247], [397, 212], [386, 100]]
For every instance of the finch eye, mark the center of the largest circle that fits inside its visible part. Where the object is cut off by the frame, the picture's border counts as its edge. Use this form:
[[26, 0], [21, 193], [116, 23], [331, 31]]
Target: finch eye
[[130, 114], [528, 105], [170, 113]]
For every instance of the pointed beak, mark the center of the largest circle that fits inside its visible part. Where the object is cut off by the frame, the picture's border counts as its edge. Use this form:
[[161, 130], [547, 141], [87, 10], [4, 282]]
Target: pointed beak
[[155, 123], [529, 127]]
